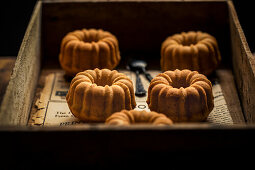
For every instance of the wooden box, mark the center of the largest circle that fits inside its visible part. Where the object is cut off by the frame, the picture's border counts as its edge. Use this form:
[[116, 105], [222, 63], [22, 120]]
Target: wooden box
[[140, 26]]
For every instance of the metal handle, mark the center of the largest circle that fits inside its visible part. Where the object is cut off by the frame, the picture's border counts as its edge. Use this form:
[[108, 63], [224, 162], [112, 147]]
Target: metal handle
[[148, 76], [139, 86]]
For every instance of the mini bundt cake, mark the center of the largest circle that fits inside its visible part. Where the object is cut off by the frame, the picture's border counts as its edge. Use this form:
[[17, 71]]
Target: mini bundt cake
[[196, 51], [183, 96], [127, 117], [95, 94], [88, 49]]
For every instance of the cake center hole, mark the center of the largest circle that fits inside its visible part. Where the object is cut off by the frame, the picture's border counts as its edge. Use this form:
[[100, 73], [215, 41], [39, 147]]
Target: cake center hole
[[90, 40], [189, 42], [103, 82], [179, 84]]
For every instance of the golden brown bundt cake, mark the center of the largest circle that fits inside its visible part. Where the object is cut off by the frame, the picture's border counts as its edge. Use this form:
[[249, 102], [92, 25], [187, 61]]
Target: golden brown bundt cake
[[95, 94], [182, 96], [192, 50], [127, 117], [88, 49]]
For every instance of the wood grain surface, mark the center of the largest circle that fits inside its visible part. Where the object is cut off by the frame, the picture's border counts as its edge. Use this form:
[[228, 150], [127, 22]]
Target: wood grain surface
[[150, 21], [17, 100], [103, 146], [243, 66]]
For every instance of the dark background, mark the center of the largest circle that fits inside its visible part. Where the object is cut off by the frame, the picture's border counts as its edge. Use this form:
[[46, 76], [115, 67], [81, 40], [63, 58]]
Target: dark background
[[15, 16]]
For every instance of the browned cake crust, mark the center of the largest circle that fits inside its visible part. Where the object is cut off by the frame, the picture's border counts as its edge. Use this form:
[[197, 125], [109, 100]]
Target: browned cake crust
[[195, 51], [95, 94], [183, 96], [88, 49], [127, 117]]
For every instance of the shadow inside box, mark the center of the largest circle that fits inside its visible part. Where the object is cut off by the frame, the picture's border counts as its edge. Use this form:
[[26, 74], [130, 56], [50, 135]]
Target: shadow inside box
[[210, 157]]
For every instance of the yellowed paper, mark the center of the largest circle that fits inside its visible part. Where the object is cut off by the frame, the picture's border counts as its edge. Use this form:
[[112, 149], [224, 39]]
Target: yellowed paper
[[220, 113], [54, 110], [41, 103]]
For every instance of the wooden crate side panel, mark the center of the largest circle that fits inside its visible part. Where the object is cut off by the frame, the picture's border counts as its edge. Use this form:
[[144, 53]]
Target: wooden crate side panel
[[140, 27], [121, 148], [16, 104], [243, 66]]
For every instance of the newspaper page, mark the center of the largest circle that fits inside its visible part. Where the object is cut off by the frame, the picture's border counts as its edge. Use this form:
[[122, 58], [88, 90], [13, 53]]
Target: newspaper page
[[52, 108]]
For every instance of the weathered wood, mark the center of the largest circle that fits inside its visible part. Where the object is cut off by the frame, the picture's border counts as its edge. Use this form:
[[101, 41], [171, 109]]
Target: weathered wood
[[17, 101], [103, 146], [109, 147], [119, 17], [231, 95], [243, 66]]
